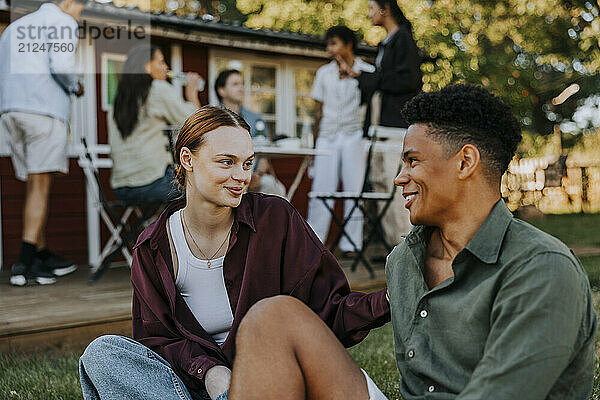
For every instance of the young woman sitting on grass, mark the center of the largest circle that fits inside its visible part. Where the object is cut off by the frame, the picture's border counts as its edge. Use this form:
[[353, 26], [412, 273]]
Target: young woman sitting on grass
[[200, 267]]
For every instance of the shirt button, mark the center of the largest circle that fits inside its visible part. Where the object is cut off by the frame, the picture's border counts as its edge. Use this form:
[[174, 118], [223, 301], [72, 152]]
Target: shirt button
[[199, 370], [423, 313], [411, 353], [431, 388]]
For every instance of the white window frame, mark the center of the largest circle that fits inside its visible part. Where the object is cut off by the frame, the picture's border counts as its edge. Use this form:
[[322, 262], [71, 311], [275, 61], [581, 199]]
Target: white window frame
[[285, 97], [104, 58], [292, 66]]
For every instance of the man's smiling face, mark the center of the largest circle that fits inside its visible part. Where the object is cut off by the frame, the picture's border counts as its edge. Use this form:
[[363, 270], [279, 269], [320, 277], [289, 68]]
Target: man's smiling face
[[428, 178]]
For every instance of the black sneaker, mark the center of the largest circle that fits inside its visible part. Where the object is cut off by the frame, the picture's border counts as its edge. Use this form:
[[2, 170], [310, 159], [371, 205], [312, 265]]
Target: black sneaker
[[18, 274], [21, 276], [58, 266]]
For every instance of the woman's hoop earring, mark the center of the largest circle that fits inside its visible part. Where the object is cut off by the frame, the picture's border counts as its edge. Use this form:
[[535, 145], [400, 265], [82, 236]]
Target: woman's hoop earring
[[383, 13]]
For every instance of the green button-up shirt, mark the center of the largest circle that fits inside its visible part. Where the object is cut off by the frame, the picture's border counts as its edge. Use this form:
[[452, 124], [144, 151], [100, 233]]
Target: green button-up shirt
[[515, 322]]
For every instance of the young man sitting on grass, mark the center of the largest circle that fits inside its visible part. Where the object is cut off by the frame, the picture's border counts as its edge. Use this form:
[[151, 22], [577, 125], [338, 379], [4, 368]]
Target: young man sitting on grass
[[483, 306]]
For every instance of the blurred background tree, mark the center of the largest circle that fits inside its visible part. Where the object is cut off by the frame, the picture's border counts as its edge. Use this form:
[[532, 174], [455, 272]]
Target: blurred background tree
[[526, 51]]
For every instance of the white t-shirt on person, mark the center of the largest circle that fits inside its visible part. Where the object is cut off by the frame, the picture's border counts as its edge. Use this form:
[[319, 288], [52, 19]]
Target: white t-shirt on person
[[342, 111], [202, 288]]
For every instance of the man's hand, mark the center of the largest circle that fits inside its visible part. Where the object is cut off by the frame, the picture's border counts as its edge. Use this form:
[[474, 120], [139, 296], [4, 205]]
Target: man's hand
[[79, 91], [217, 380]]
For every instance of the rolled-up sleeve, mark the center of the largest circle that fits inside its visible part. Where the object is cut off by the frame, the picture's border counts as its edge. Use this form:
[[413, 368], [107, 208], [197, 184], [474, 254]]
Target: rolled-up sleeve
[[536, 321], [324, 288], [173, 108]]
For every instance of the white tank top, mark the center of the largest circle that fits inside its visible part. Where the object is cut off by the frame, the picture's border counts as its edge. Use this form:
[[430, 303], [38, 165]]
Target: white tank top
[[202, 288]]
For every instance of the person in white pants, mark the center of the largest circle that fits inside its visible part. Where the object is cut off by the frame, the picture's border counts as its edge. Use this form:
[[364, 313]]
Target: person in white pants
[[339, 121]]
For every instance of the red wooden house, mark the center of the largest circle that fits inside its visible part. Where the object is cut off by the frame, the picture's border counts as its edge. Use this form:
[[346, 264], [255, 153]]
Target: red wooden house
[[278, 69]]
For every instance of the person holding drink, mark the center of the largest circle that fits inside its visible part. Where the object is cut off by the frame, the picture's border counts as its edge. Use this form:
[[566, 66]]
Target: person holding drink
[[146, 104]]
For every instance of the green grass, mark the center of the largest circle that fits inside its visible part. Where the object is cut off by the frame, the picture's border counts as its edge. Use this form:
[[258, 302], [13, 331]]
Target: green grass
[[38, 377], [576, 230], [55, 377], [592, 267]]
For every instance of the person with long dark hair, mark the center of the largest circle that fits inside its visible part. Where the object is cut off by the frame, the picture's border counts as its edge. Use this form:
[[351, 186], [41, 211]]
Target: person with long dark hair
[[145, 104], [207, 259]]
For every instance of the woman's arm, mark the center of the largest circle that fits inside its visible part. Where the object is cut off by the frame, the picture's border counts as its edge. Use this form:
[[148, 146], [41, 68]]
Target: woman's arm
[[191, 88], [320, 282], [171, 106]]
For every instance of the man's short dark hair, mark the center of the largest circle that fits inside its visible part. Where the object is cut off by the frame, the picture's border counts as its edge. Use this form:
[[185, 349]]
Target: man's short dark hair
[[221, 80], [344, 33], [467, 114]]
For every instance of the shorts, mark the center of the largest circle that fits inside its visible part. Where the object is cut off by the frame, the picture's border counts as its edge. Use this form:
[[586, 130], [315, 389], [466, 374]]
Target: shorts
[[374, 392], [38, 143]]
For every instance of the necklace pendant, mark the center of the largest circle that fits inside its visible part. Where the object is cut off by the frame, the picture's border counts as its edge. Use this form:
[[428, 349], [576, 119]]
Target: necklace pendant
[[208, 262]]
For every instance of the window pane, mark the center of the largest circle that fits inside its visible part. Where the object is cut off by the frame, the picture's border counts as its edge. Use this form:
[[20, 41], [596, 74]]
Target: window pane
[[304, 80], [300, 126], [299, 129], [113, 68], [263, 78], [263, 103], [271, 130], [305, 106]]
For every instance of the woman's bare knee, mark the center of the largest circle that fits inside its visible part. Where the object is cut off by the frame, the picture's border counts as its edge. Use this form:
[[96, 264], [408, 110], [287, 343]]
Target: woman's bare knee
[[268, 313]]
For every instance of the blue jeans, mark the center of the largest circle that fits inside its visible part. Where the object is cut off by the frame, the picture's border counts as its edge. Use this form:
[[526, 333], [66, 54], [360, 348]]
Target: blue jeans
[[160, 191], [116, 367]]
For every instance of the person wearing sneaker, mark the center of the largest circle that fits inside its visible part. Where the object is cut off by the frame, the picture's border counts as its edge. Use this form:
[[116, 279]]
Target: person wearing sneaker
[[35, 104]]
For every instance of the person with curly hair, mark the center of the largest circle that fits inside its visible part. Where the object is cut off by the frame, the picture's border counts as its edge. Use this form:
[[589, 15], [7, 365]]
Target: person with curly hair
[[483, 306]]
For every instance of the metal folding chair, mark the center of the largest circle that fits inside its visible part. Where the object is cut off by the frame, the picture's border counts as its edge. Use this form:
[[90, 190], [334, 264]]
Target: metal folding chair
[[363, 199], [123, 220]]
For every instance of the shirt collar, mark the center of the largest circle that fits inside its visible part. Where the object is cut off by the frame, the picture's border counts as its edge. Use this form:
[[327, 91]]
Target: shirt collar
[[51, 6], [486, 243]]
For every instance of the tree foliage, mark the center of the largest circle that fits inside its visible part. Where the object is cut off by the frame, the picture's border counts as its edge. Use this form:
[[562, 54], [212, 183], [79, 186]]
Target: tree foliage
[[526, 51]]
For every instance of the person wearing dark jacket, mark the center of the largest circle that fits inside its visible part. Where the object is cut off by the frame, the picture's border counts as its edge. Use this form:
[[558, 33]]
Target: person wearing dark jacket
[[397, 79], [200, 267], [398, 64]]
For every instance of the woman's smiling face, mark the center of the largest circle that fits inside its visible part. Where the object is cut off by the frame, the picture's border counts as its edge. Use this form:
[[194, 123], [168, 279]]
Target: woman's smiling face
[[221, 168]]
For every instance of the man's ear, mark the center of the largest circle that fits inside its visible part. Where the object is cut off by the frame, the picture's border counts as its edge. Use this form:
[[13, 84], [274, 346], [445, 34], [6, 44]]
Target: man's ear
[[468, 159]]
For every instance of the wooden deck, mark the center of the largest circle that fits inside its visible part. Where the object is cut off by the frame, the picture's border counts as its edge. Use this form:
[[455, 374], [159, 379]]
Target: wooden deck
[[70, 313]]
